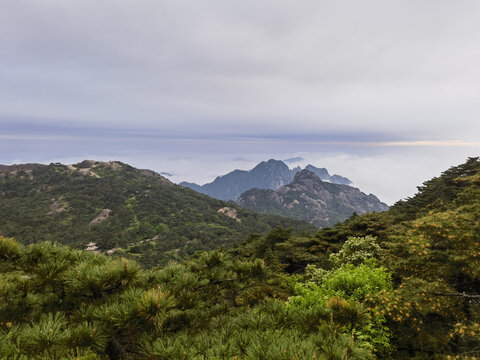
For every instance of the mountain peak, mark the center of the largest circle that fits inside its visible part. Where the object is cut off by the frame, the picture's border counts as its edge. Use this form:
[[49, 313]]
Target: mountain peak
[[270, 174], [310, 199], [305, 174], [323, 174], [272, 164]]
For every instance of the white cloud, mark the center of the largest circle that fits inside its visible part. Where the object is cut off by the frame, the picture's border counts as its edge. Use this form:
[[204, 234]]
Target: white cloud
[[406, 67], [384, 92]]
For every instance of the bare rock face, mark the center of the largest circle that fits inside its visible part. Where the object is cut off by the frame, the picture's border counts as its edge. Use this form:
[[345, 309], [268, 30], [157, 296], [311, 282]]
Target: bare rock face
[[310, 199], [87, 168], [230, 212], [101, 217], [83, 170], [156, 176]]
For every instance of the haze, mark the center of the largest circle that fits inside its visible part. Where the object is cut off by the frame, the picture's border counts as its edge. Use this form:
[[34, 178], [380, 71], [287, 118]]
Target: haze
[[385, 92]]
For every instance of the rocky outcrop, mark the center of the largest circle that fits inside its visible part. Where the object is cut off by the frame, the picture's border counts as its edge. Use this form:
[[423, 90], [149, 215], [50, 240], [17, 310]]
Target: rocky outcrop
[[57, 206], [310, 199], [230, 212], [323, 174], [101, 217], [157, 176]]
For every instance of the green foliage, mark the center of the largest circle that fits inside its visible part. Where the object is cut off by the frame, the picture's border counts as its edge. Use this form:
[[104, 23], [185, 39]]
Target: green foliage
[[429, 244], [356, 250], [415, 295], [61, 303], [151, 219], [349, 282], [437, 193], [344, 290]]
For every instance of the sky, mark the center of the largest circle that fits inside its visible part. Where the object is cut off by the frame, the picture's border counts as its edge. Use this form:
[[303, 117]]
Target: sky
[[386, 93]]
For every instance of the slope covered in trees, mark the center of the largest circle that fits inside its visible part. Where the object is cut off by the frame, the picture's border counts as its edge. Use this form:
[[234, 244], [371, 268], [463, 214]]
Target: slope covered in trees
[[60, 303], [430, 244], [122, 209], [400, 284]]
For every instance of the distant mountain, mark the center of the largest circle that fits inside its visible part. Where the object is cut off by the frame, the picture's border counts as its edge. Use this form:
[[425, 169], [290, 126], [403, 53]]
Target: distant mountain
[[310, 199], [113, 207], [270, 174], [323, 174]]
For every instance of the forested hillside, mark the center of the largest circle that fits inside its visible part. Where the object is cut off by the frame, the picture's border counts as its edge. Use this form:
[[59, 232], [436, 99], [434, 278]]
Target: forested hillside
[[122, 210], [400, 284], [430, 243], [59, 303]]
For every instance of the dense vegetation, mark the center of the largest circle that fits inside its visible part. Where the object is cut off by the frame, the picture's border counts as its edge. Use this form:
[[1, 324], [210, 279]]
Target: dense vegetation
[[59, 303], [151, 219], [429, 243], [400, 284]]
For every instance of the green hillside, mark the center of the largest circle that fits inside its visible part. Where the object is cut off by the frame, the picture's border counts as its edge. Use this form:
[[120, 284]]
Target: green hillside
[[402, 284], [430, 244], [142, 214]]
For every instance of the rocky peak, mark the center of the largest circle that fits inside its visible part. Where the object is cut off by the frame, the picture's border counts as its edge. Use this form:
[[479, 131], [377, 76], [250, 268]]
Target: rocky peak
[[309, 198], [271, 174], [305, 175], [155, 175], [90, 164], [320, 172], [271, 165], [323, 174]]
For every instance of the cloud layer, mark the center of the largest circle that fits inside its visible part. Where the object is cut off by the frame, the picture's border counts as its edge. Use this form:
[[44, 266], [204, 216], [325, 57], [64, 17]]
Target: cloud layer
[[384, 92], [401, 67]]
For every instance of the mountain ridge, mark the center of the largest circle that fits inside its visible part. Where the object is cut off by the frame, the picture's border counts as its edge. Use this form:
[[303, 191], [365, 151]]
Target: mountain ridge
[[145, 216], [270, 174], [310, 199]]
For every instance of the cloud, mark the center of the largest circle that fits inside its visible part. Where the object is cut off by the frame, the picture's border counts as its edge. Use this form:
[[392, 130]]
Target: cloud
[[245, 66], [384, 92]]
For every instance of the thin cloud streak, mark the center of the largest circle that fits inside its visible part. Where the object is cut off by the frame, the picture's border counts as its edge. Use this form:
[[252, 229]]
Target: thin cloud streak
[[42, 137], [247, 140], [444, 143]]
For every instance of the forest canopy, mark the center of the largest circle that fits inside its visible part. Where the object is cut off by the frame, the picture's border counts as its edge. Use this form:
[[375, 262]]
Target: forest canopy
[[399, 284]]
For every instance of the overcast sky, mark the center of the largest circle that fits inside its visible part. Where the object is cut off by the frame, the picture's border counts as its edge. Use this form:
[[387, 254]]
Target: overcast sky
[[384, 92]]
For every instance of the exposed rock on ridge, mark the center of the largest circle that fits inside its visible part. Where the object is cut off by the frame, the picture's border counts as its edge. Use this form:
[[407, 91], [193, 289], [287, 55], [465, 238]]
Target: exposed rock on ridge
[[310, 199], [104, 214]]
